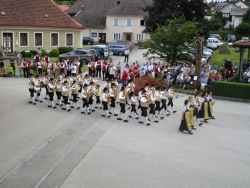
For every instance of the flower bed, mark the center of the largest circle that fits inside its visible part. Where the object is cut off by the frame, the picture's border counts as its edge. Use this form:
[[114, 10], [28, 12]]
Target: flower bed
[[142, 81]]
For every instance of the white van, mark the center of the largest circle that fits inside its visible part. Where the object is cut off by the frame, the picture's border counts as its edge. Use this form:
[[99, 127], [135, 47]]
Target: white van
[[214, 41]]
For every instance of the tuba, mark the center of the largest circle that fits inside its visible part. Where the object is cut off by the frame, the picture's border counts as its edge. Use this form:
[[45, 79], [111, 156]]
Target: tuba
[[127, 91], [108, 98]]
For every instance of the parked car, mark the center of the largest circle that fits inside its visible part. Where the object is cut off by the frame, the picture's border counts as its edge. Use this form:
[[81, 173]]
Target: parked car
[[100, 49], [230, 38], [87, 40], [125, 42], [118, 49], [211, 46], [245, 38], [96, 54], [215, 36], [214, 41], [85, 55]]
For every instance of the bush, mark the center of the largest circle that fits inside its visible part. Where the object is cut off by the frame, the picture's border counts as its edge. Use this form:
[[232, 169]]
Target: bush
[[231, 89], [140, 82], [26, 54], [33, 52], [44, 52], [54, 53], [65, 49]]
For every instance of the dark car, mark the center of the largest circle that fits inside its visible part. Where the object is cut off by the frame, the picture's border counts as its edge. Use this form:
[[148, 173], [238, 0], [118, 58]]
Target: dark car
[[96, 54], [87, 40], [230, 38], [100, 49], [85, 55], [217, 36]]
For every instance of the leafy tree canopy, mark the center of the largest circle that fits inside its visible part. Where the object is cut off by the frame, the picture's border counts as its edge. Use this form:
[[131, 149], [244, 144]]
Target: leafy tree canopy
[[246, 17], [176, 32], [243, 29]]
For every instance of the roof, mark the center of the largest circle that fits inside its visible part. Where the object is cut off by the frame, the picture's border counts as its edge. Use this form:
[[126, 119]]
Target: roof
[[35, 13], [215, 9], [64, 7], [221, 4], [130, 7], [242, 43], [238, 11], [228, 4], [95, 5], [241, 3], [93, 19]]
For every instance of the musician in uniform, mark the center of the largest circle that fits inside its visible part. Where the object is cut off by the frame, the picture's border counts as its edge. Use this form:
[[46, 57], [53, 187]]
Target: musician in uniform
[[80, 83], [38, 89], [122, 99], [98, 67], [171, 94], [152, 106], [164, 99], [91, 91], [86, 79], [65, 94], [113, 95], [31, 85], [98, 95], [105, 102], [46, 82], [158, 97], [85, 99], [58, 89], [133, 100], [74, 89], [51, 88], [144, 107]]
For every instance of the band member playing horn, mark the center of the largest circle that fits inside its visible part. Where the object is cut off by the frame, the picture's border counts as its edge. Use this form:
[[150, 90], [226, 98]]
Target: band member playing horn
[[58, 89], [105, 101], [152, 106], [122, 99], [158, 101], [31, 85], [74, 89], [185, 123], [85, 99], [133, 100], [171, 94], [164, 99], [113, 96], [46, 82], [91, 91], [80, 83], [51, 89], [196, 103], [65, 94], [144, 107], [38, 89], [98, 95]]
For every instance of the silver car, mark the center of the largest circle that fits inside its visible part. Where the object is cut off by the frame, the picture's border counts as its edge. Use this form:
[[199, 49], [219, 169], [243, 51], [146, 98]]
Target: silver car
[[118, 49]]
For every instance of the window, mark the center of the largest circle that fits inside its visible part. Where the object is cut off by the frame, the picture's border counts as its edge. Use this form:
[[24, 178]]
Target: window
[[115, 22], [117, 36], [225, 15], [69, 39], [23, 39], [38, 39], [129, 22], [80, 52], [139, 37], [142, 23], [54, 39], [93, 34]]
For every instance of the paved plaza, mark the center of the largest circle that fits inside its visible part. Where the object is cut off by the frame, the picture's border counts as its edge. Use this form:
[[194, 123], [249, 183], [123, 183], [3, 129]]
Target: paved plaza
[[42, 147]]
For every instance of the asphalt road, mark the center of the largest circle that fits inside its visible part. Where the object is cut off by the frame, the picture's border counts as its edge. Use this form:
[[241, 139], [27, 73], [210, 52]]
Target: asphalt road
[[42, 147]]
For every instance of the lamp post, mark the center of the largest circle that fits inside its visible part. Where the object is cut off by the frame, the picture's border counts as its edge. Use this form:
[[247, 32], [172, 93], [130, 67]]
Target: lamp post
[[198, 44]]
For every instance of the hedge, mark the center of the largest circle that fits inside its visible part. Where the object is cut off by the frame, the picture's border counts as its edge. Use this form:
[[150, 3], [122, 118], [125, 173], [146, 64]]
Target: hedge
[[54, 53], [65, 49], [231, 89]]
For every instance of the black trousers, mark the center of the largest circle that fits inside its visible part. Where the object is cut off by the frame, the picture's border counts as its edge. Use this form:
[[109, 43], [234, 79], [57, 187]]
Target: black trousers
[[80, 90], [85, 102], [133, 108], [122, 105], [164, 106], [51, 95], [65, 100], [74, 97], [40, 71], [98, 71], [58, 94], [98, 100], [104, 75], [46, 87], [105, 105], [90, 100], [112, 104], [152, 109], [126, 58], [25, 73], [157, 106], [196, 113], [144, 112], [31, 92], [170, 102]]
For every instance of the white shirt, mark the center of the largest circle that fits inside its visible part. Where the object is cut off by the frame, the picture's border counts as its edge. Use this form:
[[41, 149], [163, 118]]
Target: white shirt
[[126, 52], [103, 98], [73, 69], [121, 96], [143, 99], [83, 93]]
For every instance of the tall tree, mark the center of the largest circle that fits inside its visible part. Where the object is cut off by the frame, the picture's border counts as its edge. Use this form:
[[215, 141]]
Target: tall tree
[[246, 17], [162, 10]]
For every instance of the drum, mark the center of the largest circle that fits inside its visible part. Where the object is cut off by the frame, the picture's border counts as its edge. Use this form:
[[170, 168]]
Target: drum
[[37, 90]]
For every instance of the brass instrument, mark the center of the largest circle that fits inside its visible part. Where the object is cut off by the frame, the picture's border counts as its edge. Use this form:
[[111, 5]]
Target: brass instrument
[[108, 98], [32, 81], [127, 91]]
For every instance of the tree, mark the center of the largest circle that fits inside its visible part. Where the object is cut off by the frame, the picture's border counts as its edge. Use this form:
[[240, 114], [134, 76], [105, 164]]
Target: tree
[[219, 16], [162, 10], [159, 44], [246, 17], [242, 30]]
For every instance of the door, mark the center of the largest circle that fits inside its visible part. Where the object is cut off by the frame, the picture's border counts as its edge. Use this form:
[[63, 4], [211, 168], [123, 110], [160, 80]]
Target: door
[[102, 38], [8, 42], [128, 37]]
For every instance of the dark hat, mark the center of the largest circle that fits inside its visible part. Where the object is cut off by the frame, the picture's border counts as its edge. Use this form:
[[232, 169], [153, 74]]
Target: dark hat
[[85, 85], [51, 79]]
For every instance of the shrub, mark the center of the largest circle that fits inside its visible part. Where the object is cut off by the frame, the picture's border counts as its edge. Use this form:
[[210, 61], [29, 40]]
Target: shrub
[[54, 53], [231, 89], [33, 52], [65, 49], [43, 52], [26, 54], [140, 82]]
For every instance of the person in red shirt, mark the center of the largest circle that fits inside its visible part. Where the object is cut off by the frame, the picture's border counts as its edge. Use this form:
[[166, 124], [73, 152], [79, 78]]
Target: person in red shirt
[[156, 70], [124, 78], [219, 76]]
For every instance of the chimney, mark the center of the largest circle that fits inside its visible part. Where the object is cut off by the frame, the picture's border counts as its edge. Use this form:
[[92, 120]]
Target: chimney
[[118, 2], [82, 7]]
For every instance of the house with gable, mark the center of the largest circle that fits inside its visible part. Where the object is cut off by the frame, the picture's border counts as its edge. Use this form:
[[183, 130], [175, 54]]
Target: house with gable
[[29, 25]]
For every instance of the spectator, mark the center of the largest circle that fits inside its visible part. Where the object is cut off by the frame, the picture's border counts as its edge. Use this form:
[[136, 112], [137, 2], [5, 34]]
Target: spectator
[[37, 58], [156, 70], [39, 52], [213, 76], [168, 79], [234, 68], [214, 66], [187, 80], [246, 76], [244, 65], [222, 71], [126, 68], [126, 55], [110, 56], [1, 62], [12, 64], [28, 65], [219, 76], [124, 78], [203, 81], [179, 80], [118, 66]]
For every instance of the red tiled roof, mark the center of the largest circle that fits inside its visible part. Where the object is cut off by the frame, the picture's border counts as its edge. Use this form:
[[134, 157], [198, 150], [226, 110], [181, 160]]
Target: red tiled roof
[[242, 43], [30, 13], [64, 7], [215, 9]]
